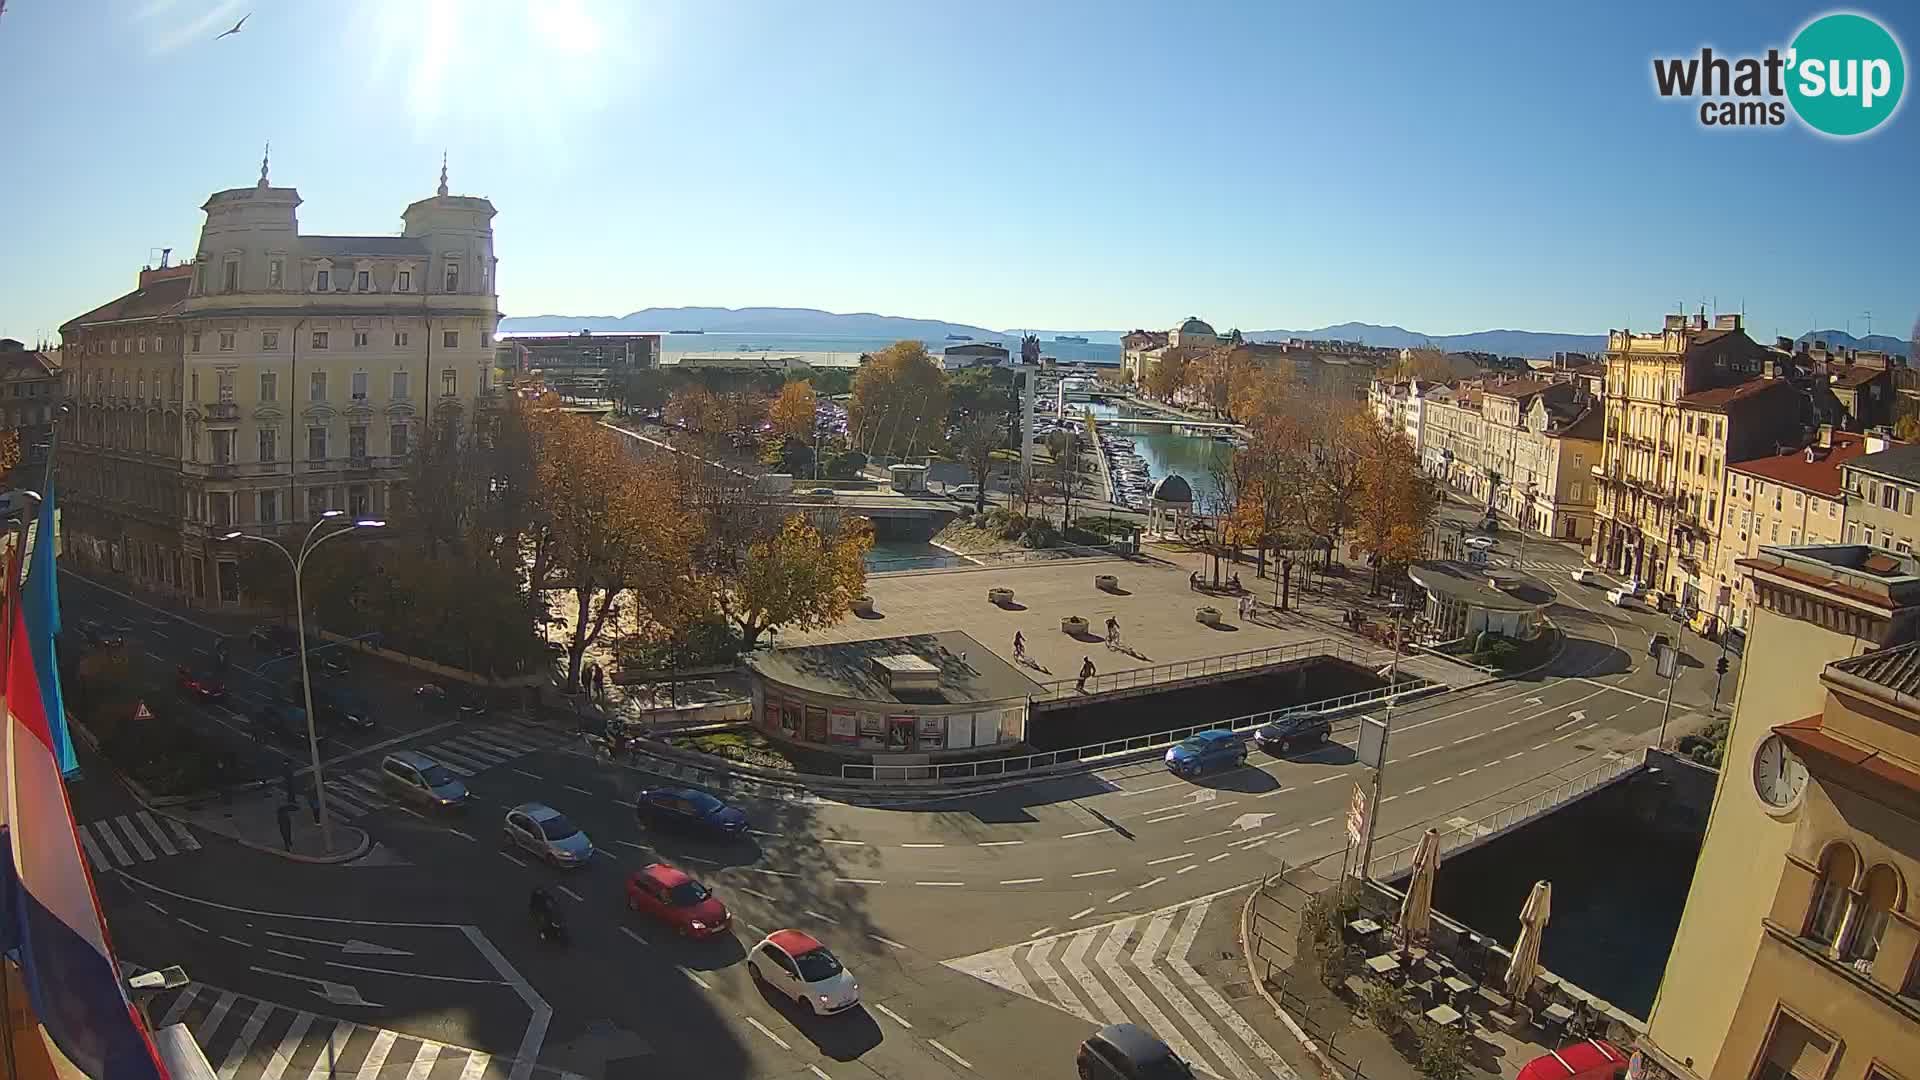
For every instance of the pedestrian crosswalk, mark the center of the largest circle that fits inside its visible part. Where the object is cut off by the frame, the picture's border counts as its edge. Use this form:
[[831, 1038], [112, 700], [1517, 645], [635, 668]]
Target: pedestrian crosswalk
[[244, 1038], [1136, 971], [362, 791], [141, 836]]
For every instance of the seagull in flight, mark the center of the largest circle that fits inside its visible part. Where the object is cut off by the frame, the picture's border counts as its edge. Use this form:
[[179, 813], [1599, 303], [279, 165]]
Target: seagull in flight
[[236, 26]]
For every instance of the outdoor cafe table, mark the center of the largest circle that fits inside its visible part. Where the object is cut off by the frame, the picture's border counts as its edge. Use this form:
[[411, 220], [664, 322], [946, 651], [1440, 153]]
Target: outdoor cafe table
[[1557, 1013], [1364, 927], [1444, 1015], [1383, 963]]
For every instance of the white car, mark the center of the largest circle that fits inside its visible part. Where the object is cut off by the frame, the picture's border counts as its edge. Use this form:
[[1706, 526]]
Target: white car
[[1623, 598], [798, 966], [1585, 575], [1481, 543], [964, 491]]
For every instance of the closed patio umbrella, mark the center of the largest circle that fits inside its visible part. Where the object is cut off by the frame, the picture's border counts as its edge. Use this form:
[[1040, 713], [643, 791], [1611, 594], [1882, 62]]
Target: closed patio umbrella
[[1526, 951], [1416, 910]]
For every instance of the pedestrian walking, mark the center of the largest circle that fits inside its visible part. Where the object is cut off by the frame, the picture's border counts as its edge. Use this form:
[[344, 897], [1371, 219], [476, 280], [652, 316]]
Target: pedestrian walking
[[600, 683], [1113, 631], [1019, 646], [285, 814], [1086, 672], [286, 778]]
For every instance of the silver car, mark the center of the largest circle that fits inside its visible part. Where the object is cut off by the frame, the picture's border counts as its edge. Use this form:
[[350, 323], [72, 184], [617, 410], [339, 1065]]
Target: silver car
[[418, 778], [545, 832]]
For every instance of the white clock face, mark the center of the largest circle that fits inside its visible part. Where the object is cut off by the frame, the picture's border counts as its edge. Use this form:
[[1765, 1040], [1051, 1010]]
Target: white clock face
[[1778, 776]]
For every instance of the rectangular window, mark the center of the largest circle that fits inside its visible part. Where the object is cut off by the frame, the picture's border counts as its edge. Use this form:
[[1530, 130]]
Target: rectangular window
[[224, 385], [226, 341], [357, 442], [1799, 499], [406, 281], [316, 503], [359, 386], [450, 339], [231, 279], [269, 444], [196, 387], [320, 339], [486, 338], [220, 507], [359, 502], [450, 382], [273, 273], [400, 387], [1889, 496], [399, 339], [316, 444], [269, 506], [270, 341], [194, 339], [359, 339], [1794, 1052], [321, 282], [317, 386], [397, 440], [222, 447], [269, 386], [363, 280], [453, 277]]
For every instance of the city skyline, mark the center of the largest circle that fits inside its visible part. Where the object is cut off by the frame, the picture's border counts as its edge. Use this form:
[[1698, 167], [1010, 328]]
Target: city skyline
[[1023, 168]]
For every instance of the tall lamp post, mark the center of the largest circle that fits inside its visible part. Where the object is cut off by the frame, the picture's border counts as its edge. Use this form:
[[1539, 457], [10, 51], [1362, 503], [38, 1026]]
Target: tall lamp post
[[313, 539]]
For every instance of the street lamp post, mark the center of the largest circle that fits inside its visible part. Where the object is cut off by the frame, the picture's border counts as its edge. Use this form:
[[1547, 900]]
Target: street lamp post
[[313, 539]]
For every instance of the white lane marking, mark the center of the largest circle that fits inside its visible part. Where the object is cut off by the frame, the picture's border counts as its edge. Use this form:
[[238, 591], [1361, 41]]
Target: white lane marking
[[113, 842], [756, 892], [1169, 817], [1145, 955], [631, 844], [763, 832], [1182, 855], [923, 845], [768, 1032], [193, 926], [1220, 856], [1271, 794], [894, 1016], [513, 860], [1097, 873], [581, 790], [211, 1022], [288, 955], [529, 775], [1177, 958], [1415, 791], [1078, 835], [1571, 722], [828, 919], [1107, 959], [182, 836], [1540, 746], [1184, 869], [1469, 772], [941, 884], [454, 831], [888, 942], [1319, 823], [815, 1070], [1568, 735], [964, 1063], [1503, 727], [1469, 738], [289, 1044], [1388, 799], [704, 984], [179, 1008], [1428, 750], [156, 907], [1143, 791], [1000, 843], [1197, 839], [576, 896], [1510, 757], [859, 881], [1330, 779], [1119, 896], [1440, 781], [236, 941], [637, 939], [1042, 931], [844, 843], [770, 873], [1075, 961], [94, 854], [1023, 881], [701, 859], [1149, 884], [423, 1061], [1081, 914], [476, 1065]]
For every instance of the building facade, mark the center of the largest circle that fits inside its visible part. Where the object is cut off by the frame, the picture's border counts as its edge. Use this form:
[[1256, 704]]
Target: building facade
[[30, 393], [275, 377], [1791, 499], [1727, 424], [1638, 508], [1880, 487], [1738, 964]]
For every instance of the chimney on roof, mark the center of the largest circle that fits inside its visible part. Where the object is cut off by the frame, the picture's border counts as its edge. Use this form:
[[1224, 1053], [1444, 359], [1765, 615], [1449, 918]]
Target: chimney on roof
[[1784, 344], [1771, 369], [166, 255], [1727, 322], [1811, 455], [1876, 440], [1826, 437]]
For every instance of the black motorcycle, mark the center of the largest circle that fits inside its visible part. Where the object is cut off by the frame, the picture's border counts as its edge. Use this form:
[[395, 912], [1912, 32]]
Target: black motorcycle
[[546, 918]]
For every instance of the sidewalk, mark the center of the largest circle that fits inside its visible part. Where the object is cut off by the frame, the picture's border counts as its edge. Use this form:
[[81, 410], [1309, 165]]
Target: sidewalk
[[252, 819]]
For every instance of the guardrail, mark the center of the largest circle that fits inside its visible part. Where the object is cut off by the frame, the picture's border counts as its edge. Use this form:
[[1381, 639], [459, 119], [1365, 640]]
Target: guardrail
[[1001, 557], [1399, 861], [1027, 763], [1132, 678]]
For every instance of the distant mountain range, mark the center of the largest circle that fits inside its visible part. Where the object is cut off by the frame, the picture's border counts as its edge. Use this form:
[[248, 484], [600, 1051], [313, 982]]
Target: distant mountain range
[[812, 322]]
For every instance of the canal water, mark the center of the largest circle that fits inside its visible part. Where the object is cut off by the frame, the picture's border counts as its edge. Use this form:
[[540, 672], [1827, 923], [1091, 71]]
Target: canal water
[[1165, 452]]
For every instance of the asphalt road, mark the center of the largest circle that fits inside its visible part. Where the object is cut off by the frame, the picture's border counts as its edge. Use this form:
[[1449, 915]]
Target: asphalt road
[[988, 933]]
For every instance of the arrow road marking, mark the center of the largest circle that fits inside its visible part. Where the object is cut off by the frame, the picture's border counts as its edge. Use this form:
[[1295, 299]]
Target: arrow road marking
[[1249, 822], [1204, 795], [354, 947], [1573, 717], [1534, 701], [333, 992]]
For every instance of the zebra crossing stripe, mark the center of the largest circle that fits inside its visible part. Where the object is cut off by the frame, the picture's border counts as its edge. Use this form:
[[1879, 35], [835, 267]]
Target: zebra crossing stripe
[[94, 854], [1075, 960], [343, 796], [134, 838], [1062, 991], [113, 843], [1183, 943], [289, 1045], [1149, 949], [210, 1023], [454, 762], [475, 747], [185, 839], [179, 1007], [501, 744], [244, 1041], [1108, 961], [159, 835], [423, 1061], [336, 1044], [475, 1066], [377, 1055], [360, 787]]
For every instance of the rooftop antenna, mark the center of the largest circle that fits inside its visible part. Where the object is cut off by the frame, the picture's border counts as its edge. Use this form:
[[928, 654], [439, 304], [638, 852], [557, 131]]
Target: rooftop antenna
[[1869, 316]]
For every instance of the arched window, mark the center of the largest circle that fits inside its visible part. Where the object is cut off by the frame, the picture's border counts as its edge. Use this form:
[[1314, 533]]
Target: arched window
[[1837, 869], [1880, 895]]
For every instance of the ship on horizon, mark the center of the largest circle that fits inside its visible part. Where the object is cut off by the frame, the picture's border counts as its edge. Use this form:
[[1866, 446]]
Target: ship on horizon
[[686, 331], [1069, 339], [959, 337]]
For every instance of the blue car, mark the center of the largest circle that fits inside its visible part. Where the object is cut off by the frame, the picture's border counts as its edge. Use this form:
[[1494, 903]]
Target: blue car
[[1206, 752], [689, 809]]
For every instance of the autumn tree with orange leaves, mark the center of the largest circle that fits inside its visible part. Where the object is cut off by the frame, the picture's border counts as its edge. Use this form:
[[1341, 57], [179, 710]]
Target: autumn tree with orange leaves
[[1396, 502], [794, 411]]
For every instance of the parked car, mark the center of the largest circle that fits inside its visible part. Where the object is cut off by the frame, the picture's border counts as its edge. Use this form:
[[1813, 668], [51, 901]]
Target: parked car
[[1309, 728], [964, 492], [1206, 752], [275, 638], [282, 720], [1624, 598], [827, 491], [1589, 1059], [418, 778], [690, 809], [199, 683], [671, 895], [1129, 1052], [546, 833], [1586, 575], [336, 705], [1658, 642], [805, 971]]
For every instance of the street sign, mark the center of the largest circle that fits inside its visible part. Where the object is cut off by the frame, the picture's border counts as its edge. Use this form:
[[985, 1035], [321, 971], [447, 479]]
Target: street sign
[[141, 712], [1357, 815], [1372, 744]]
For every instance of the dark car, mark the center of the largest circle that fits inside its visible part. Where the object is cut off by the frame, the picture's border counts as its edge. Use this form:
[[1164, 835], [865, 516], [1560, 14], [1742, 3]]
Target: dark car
[[1205, 752], [281, 720], [1308, 728], [200, 683], [691, 809], [1656, 643], [1129, 1052], [96, 636], [275, 638], [335, 706], [437, 698]]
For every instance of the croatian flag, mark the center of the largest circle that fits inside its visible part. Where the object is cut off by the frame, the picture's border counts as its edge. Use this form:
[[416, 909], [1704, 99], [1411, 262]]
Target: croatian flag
[[42, 598], [53, 918]]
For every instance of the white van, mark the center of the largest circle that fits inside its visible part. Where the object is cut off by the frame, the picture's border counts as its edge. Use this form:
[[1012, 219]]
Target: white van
[[1625, 598]]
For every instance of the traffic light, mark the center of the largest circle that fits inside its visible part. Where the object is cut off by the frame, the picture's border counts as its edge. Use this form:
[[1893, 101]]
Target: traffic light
[[1720, 666]]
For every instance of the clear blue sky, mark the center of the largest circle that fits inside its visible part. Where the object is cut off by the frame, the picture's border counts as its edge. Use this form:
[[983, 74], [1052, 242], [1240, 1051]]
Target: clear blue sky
[[1056, 164]]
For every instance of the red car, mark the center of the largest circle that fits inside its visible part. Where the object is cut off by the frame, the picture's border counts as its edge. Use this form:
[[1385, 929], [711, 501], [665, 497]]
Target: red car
[[673, 897], [200, 684]]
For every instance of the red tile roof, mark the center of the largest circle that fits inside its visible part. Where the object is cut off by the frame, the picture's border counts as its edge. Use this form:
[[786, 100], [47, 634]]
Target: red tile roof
[[1853, 376], [1820, 476], [159, 298], [1722, 397]]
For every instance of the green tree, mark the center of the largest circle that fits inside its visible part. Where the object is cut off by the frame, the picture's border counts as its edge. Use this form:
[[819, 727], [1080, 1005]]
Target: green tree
[[800, 578]]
